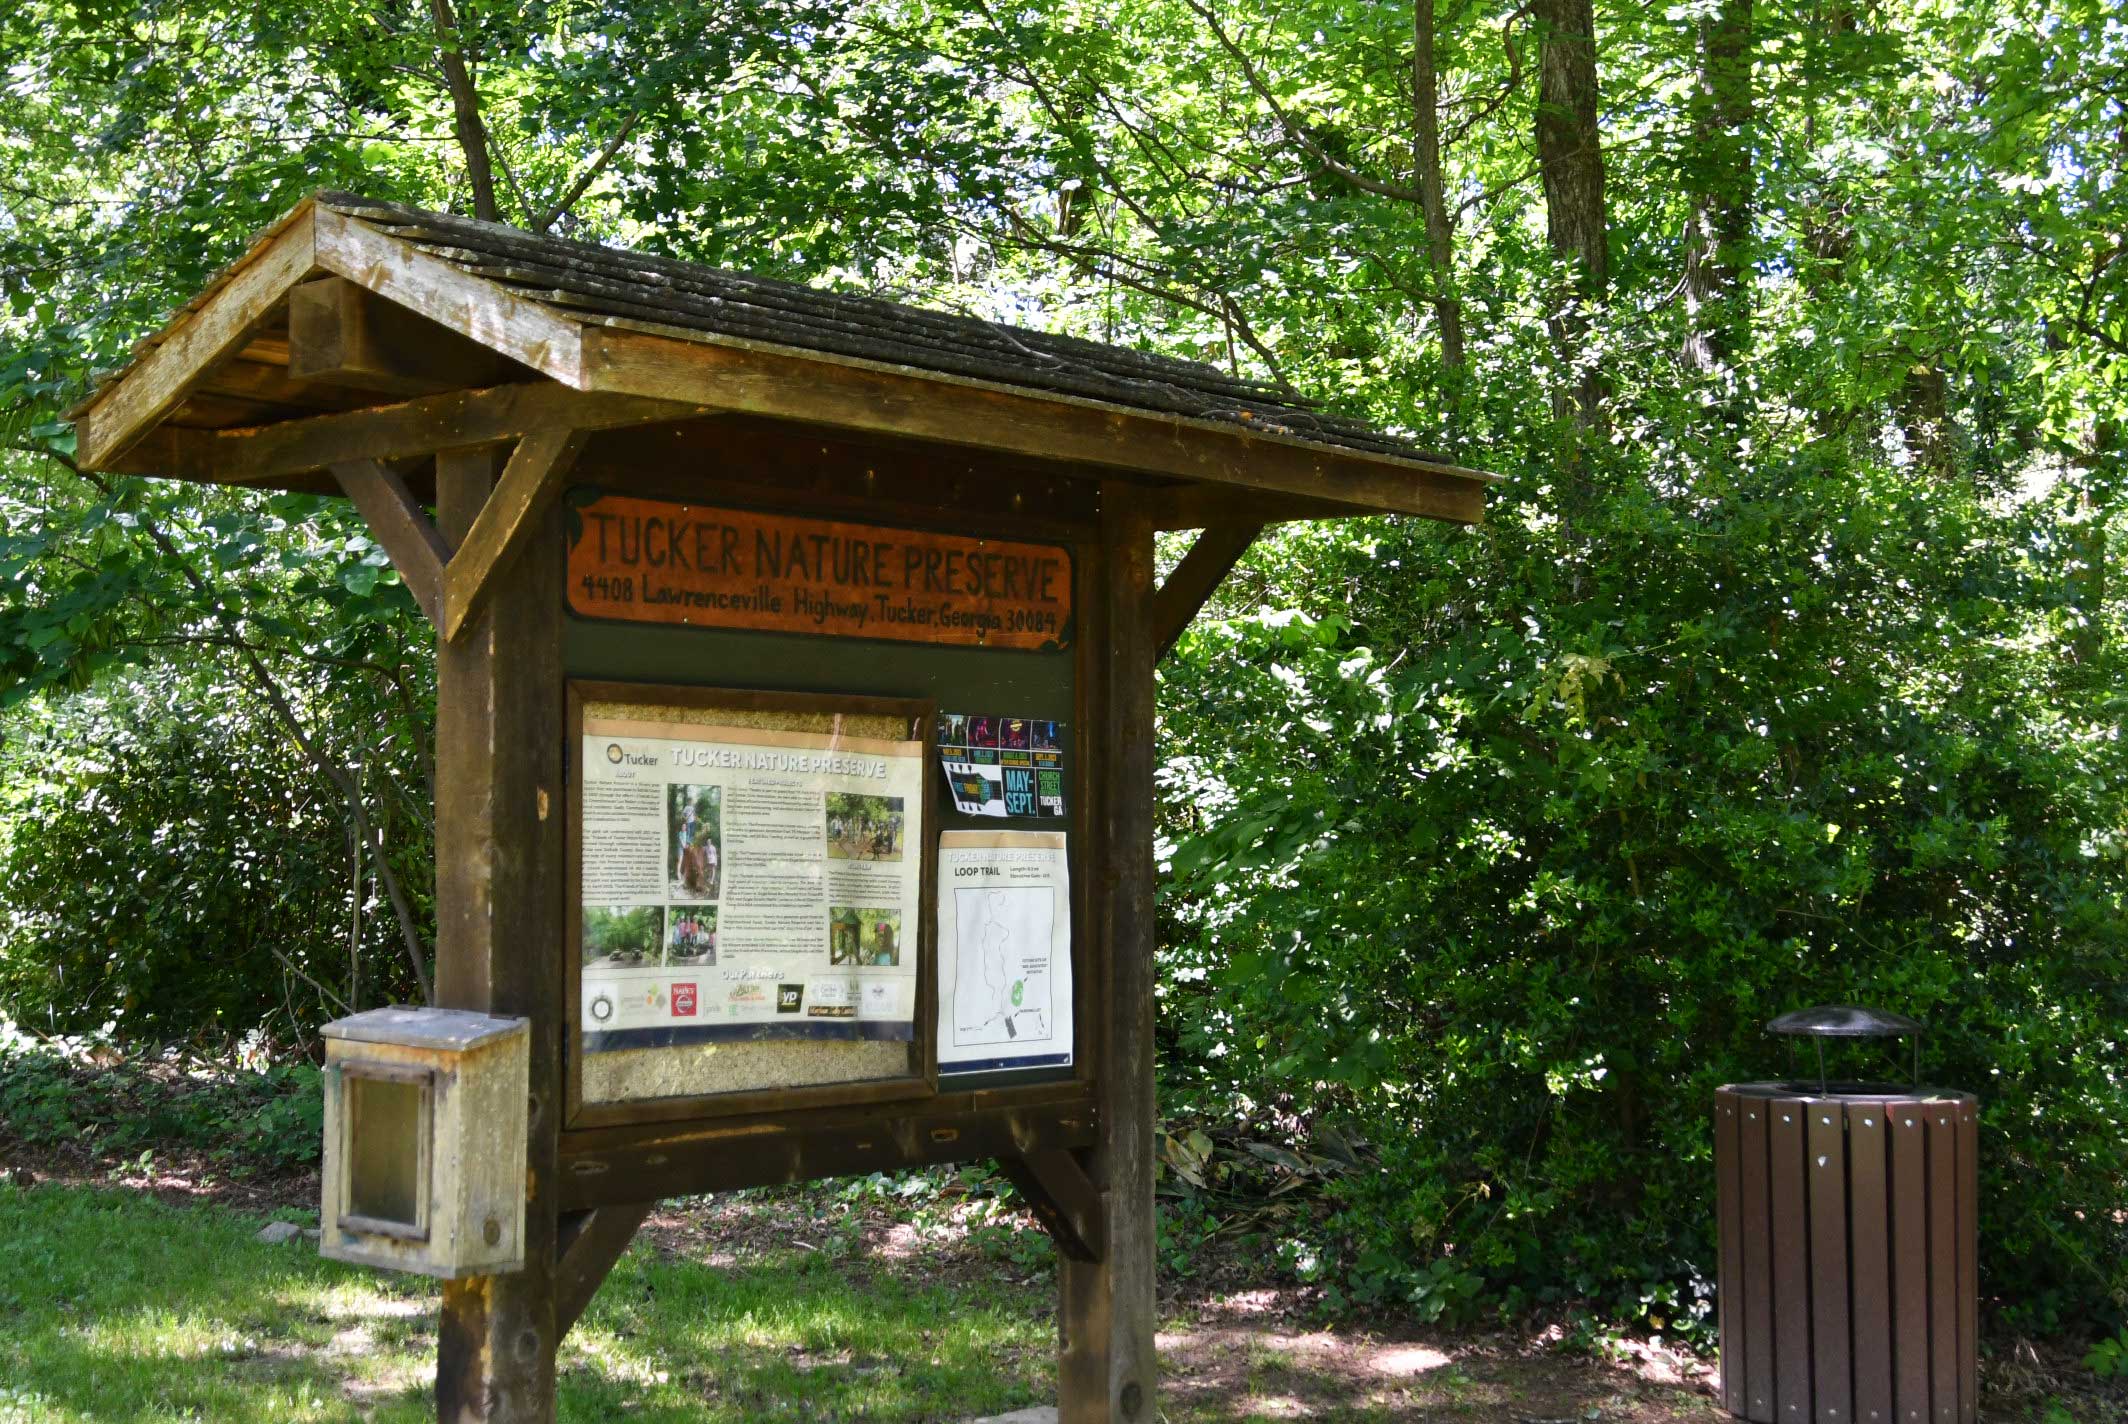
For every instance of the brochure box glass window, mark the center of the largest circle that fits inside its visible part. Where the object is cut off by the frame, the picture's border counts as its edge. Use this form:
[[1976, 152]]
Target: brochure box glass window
[[425, 1120]]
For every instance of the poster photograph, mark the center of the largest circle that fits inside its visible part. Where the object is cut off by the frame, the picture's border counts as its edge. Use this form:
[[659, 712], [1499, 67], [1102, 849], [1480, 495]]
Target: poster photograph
[[1004, 946], [741, 882], [693, 825]]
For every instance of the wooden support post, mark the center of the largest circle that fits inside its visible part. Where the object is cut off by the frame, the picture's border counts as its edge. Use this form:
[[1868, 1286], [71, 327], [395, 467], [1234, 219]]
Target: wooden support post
[[1106, 1372], [499, 799]]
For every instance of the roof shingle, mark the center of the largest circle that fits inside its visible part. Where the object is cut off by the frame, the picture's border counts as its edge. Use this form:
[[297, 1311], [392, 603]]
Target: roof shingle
[[610, 286]]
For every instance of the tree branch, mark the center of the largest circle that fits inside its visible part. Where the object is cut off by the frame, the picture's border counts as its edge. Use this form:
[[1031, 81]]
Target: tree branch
[[1365, 182], [576, 190], [276, 697], [465, 110]]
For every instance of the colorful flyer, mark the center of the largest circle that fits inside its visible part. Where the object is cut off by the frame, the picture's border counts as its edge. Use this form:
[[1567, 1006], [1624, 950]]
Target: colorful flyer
[[1003, 766]]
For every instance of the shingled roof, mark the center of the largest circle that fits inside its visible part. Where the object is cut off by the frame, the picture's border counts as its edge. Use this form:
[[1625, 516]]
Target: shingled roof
[[604, 322], [616, 287]]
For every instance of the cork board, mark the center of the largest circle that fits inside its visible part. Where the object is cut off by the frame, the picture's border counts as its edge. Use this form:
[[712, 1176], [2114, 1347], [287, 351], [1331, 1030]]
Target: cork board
[[694, 1071]]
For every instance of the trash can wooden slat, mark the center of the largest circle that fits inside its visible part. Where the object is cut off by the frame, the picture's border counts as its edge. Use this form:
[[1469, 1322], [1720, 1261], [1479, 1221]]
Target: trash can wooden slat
[[1848, 1255]]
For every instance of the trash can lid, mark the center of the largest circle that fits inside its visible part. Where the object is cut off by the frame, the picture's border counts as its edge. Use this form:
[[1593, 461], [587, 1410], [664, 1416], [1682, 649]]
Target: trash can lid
[[1844, 1021]]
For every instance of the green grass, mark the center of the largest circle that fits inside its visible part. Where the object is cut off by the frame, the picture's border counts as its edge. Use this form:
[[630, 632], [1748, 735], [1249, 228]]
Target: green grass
[[117, 1309]]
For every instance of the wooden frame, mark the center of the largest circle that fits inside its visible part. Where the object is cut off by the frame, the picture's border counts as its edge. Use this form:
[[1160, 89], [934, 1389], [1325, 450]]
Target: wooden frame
[[423, 1079], [920, 1082]]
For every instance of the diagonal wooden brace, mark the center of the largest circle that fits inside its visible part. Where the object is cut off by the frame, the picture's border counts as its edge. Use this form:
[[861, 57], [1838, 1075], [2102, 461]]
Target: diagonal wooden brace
[[1218, 548], [520, 500], [451, 587], [587, 1246], [1063, 1198], [402, 526]]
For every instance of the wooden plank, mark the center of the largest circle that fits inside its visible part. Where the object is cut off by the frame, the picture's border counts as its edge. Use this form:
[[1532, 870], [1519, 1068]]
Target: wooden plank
[[844, 393], [1787, 1197], [1832, 1380], [611, 1164], [1868, 1163], [1200, 506], [270, 383], [1063, 1198], [1185, 590], [520, 501], [404, 430], [219, 326], [771, 462], [1107, 1370], [474, 307], [1731, 1286], [1967, 1123], [498, 899], [401, 525], [1910, 1300], [341, 335], [590, 1243], [1943, 1259], [1757, 1182]]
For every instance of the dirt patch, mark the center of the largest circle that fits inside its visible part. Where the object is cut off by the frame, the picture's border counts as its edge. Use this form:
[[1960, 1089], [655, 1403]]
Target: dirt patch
[[175, 1176]]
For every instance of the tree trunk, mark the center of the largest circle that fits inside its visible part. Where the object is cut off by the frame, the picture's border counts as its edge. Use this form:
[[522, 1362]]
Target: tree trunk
[[1570, 163], [465, 110], [1433, 200], [1718, 170], [1924, 408]]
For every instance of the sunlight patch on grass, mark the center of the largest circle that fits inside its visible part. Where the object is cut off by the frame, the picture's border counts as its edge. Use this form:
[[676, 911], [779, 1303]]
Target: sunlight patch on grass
[[117, 1309]]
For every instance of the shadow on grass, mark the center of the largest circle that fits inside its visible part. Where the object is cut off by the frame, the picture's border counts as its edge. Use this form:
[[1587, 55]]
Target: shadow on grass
[[118, 1309]]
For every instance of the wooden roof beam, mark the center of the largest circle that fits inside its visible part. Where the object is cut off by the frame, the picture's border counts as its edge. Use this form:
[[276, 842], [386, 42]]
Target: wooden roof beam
[[218, 325], [501, 321], [338, 334], [757, 379], [267, 454]]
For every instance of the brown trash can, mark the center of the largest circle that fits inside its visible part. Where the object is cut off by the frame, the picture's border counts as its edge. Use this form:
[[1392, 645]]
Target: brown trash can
[[1847, 1284]]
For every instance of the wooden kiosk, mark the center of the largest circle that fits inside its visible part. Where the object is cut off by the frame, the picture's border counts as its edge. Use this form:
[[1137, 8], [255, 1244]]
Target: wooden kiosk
[[754, 605]]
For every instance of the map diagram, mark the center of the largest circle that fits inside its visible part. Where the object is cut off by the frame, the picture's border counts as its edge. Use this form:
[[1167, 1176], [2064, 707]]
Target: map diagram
[[1001, 987]]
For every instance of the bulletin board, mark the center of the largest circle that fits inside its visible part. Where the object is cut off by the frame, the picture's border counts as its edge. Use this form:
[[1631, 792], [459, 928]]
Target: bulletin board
[[1015, 659], [751, 878]]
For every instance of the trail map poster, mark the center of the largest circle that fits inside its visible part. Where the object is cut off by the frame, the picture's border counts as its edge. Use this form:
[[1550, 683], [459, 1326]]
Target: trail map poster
[[745, 883], [1004, 946], [656, 561]]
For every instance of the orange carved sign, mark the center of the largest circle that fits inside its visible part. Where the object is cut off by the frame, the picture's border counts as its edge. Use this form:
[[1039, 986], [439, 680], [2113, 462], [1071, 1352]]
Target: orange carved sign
[[658, 561]]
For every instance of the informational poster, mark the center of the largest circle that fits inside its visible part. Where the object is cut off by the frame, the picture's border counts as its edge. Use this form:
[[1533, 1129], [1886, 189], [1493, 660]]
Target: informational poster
[[1004, 950], [746, 883], [659, 561], [1003, 766]]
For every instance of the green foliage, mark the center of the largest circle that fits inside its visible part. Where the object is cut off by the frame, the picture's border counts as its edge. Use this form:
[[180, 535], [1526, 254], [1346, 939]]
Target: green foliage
[[1510, 910], [2109, 1357], [247, 1122], [1786, 678], [179, 861]]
